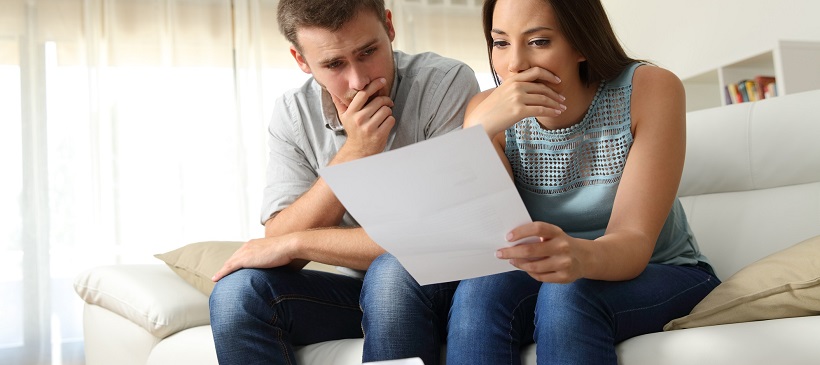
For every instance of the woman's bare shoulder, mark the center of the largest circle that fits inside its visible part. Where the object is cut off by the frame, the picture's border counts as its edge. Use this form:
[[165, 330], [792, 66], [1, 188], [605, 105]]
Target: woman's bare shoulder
[[651, 77]]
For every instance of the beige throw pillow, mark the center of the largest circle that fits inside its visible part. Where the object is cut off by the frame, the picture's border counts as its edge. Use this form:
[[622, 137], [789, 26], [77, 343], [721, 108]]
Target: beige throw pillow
[[784, 284], [197, 263]]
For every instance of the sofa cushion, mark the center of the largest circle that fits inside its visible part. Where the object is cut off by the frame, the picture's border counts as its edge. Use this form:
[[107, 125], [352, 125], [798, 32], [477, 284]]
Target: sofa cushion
[[197, 262], [133, 293], [791, 341], [781, 285]]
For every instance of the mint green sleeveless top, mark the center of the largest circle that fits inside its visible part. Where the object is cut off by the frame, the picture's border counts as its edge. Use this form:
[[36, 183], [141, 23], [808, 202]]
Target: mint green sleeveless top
[[568, 177]]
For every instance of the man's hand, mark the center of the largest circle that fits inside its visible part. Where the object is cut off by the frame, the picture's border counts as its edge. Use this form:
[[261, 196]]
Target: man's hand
[[367, 120], [526, 94], [260, 253]]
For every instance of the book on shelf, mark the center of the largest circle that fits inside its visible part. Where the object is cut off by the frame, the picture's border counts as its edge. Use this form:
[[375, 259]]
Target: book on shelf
[[767, 85], [758, 88], [734, 94]]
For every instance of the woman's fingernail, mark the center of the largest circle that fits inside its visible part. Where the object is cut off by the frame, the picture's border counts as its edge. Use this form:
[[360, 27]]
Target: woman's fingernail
[[499, 255], [509, 237]]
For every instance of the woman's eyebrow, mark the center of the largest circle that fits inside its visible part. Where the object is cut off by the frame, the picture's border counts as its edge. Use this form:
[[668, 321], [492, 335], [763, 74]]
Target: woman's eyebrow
[[528, 31]]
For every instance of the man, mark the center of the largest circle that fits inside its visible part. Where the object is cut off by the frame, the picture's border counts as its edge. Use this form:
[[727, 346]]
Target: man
[[363, 99]]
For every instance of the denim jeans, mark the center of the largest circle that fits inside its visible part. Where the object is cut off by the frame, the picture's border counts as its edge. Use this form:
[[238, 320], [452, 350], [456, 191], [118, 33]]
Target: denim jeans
[[401, 318], [258, 315], [491, 319], [487, 320], [581, 322]]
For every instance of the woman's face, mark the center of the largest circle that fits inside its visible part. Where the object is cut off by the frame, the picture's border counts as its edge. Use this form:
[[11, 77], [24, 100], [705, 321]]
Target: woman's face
[[526, 34]]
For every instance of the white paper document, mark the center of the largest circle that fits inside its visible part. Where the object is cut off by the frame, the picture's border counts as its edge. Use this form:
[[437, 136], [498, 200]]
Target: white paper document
[[411, 361], [442, 207]]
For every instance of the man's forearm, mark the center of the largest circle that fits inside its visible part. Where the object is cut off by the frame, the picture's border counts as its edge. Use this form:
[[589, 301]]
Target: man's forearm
[[348, 247], [317, 208]]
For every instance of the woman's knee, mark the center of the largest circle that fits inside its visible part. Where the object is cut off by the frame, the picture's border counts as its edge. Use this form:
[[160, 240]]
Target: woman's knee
[[501, 298], [581, 304]]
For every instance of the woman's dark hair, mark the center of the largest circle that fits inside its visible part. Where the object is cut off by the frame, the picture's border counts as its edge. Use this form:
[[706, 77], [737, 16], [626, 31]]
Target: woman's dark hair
[[585, 25], [332, 15]]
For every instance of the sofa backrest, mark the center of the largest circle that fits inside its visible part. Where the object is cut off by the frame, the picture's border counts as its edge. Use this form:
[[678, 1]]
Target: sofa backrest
[[751, 181]]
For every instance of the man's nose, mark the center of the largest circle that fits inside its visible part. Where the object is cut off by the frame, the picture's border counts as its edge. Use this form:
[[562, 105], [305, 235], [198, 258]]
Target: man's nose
[[358, 78]]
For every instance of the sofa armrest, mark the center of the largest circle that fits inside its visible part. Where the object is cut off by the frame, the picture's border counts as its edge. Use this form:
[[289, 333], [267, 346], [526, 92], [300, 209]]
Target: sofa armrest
[[151, 296]]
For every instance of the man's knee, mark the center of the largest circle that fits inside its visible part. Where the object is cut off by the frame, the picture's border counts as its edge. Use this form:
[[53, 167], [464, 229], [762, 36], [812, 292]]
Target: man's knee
[[237, 296], [388, 283], [386, 273]]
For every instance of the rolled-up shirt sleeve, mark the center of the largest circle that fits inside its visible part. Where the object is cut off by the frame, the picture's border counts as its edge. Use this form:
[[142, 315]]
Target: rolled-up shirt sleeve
[[290, 171]]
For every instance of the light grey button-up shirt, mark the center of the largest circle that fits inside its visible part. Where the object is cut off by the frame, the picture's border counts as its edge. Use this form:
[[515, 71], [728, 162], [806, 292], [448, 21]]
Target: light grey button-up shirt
[[430, 94]]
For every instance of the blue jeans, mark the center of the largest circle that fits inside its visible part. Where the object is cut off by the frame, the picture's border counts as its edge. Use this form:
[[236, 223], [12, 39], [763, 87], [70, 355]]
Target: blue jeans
[[580, 323], [258, 315], [576, 323], [487, 320], [402, 319]]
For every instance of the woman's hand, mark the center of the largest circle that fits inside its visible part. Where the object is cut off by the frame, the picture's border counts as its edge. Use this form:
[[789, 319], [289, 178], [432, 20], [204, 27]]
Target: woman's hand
[[523, 95], [553, 259]]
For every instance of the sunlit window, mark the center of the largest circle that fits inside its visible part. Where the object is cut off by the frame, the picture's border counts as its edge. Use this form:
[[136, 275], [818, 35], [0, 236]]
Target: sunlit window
[[11, 187], [129, 128]]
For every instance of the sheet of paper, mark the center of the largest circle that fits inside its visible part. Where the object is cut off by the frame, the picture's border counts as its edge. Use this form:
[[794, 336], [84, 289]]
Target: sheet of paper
[[442, 206], [411, 361]]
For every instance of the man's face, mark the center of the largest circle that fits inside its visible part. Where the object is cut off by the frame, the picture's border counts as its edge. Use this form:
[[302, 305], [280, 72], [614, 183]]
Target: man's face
[[347, 60]]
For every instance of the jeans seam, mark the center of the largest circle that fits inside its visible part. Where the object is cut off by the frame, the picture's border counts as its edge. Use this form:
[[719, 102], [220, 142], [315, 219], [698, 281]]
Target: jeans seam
[[280, 299], [284, 347], [431, 304], [509, 333], [283, 298], [708, 279]]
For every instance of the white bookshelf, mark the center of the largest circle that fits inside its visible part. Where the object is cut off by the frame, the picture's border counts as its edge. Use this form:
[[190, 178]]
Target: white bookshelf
[[794, 64]]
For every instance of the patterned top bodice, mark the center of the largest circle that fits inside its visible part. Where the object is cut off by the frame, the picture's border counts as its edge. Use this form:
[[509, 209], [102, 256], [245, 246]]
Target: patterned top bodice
[[569, 177]]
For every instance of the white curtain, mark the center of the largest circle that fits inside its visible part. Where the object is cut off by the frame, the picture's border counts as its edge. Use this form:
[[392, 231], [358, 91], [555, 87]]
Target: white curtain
[[133, 127]]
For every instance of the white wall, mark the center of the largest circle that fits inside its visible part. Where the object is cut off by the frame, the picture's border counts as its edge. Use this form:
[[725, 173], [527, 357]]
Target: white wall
[[691, 37]]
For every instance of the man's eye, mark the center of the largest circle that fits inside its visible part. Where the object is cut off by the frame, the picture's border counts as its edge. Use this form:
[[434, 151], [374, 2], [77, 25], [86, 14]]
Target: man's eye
[[369, 52], [333, 65]]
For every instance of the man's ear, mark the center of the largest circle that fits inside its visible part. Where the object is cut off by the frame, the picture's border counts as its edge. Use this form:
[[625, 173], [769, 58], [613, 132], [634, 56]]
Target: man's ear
[[300, 60], [388, 23]]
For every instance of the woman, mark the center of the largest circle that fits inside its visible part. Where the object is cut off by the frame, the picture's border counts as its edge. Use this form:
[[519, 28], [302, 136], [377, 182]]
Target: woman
[[595, 142]]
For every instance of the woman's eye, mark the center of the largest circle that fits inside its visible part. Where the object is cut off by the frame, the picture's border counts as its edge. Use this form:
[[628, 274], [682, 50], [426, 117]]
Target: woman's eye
[[499, 44], [540, 42]]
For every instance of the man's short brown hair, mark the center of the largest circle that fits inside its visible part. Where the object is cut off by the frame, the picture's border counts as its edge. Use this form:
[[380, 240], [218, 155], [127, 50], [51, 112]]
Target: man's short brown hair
[[330, 15]]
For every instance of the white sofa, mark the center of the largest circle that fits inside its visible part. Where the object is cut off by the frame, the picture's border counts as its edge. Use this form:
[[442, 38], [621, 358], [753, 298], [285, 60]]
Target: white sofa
[[751, 187]]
